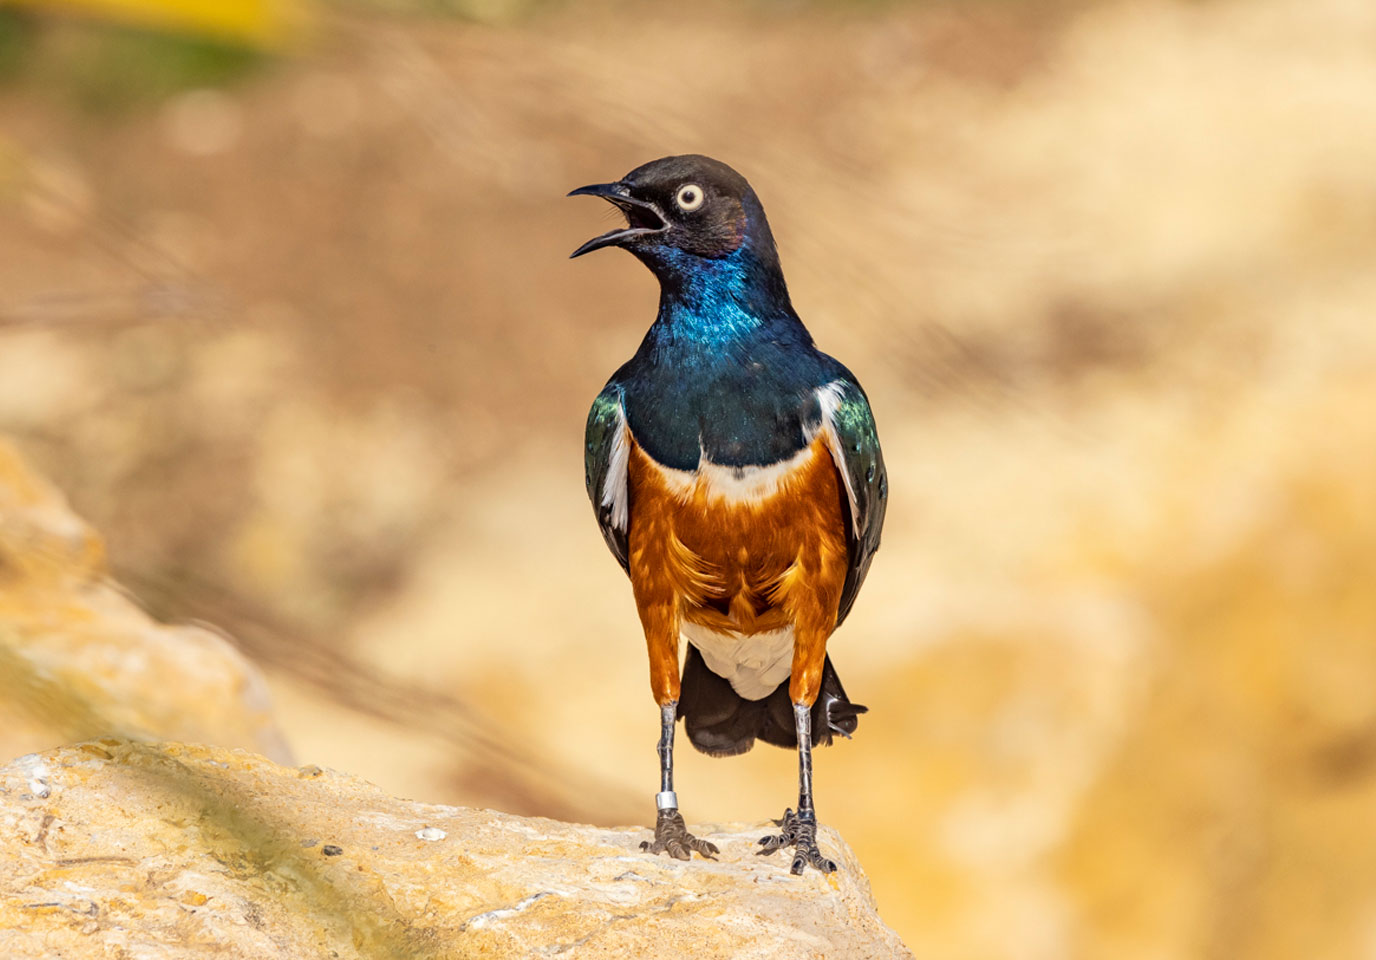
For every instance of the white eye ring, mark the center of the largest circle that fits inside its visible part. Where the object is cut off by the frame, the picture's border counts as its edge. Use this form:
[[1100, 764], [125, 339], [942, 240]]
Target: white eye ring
[[689, 197]]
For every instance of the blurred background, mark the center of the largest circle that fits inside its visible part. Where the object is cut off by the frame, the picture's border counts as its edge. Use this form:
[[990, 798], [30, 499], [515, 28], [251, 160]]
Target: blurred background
[[285, 310]]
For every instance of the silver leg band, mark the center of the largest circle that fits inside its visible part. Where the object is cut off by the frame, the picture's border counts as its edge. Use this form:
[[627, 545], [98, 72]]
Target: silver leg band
[[666, 800]]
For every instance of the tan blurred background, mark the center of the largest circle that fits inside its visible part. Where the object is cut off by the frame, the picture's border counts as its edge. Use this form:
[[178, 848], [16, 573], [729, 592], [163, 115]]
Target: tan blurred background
[[285, 309]]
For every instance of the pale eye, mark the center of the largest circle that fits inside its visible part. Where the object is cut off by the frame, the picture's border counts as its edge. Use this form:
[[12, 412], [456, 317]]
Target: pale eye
[[689, 197]]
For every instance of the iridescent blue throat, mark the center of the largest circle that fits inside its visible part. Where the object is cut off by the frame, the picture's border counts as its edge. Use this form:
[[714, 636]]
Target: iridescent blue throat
[[728, 370], [716, 301]]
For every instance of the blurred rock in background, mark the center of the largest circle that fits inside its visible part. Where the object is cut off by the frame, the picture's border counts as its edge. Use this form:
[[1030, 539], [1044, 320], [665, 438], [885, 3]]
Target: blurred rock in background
[[79, 659], [296, 332]]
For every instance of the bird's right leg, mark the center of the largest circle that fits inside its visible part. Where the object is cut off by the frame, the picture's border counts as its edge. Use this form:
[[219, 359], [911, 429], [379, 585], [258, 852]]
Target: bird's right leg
[[661, 622], [671, 833]]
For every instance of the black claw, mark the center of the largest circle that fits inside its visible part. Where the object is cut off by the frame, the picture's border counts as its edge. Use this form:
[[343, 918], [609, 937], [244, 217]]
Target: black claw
[[672, 837], [800, 833]]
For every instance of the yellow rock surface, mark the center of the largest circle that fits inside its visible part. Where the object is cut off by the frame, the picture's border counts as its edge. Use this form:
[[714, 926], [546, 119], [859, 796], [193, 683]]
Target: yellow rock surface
[[79, 659], [160, 851]]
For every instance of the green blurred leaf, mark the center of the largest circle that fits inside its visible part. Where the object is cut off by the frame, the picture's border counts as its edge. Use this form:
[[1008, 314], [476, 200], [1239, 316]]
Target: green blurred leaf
[[109, 68], [17, 31]]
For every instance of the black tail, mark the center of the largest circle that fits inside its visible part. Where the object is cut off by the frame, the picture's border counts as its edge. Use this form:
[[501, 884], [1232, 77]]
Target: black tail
[[722, 723]]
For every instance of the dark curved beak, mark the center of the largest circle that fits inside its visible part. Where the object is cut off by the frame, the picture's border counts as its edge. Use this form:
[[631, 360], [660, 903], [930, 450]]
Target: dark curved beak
[[642, 217]]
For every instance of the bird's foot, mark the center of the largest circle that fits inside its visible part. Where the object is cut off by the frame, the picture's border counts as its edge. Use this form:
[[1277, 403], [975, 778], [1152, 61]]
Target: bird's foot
[[800, 833], [672, 837]]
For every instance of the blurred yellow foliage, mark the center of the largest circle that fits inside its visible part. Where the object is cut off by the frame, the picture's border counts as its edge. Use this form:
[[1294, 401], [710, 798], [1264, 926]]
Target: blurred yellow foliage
[[259, 22]]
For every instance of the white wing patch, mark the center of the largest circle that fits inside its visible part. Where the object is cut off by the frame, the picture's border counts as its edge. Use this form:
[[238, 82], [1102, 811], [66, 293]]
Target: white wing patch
[[829, 398], [616, 492]]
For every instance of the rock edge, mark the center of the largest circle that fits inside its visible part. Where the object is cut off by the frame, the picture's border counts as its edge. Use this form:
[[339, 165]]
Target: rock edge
[[125, 848]]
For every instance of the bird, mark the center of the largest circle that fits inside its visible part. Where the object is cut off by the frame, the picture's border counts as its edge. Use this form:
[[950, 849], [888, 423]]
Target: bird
[[736, 475]]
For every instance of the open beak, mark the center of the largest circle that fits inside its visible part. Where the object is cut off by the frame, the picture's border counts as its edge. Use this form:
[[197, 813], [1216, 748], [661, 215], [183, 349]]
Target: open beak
[[642, 218]]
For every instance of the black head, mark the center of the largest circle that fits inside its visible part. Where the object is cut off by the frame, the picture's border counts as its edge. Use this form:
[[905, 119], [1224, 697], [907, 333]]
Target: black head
[[682, 205]]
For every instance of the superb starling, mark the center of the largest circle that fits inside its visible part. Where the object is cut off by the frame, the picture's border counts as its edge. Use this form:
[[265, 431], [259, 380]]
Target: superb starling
[[736, 475]]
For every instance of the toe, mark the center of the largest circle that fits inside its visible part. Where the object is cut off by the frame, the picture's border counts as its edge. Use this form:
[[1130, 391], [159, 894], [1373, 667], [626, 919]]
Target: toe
[[705, 848]]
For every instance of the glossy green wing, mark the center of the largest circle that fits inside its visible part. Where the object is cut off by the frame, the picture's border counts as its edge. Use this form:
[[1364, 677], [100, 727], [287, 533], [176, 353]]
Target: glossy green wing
[[854, 444], [604, 468]]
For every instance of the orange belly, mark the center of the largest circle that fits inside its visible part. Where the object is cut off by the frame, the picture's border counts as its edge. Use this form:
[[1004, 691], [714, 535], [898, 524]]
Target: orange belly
[[738, 565]]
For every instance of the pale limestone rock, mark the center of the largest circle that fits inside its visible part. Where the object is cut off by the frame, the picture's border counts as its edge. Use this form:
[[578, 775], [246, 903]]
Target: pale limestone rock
[[79, 659], [165, 850]]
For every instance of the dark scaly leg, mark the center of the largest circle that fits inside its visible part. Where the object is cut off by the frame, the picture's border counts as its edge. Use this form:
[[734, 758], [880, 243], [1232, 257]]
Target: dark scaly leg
[[804, 686], [800, 829], [658, 607], [671, 834]]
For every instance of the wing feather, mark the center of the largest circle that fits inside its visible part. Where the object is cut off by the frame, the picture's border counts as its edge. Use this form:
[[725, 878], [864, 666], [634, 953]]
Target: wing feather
[[604, 469], [848, 425]]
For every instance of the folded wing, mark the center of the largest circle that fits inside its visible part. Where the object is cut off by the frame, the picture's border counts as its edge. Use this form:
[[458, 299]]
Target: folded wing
[[854, 443], [604, 469]]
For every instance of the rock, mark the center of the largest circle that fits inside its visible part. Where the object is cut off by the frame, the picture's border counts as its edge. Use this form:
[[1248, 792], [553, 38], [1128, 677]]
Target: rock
[[79, 659], [131, 849]]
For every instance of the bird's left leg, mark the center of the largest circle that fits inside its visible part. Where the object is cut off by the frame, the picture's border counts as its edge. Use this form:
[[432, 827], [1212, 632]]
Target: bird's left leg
[[800, 828]]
